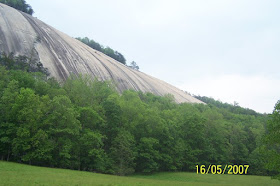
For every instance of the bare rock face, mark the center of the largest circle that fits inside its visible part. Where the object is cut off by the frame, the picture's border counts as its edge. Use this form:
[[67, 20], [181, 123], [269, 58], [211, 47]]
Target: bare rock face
[[62, 55]]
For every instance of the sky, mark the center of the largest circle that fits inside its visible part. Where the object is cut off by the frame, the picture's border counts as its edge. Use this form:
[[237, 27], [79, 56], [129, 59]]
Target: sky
[[228, 50]]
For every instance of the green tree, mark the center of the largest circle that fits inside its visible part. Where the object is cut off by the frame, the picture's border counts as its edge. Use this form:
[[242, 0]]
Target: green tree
[[113, 117], [30, 143], [92, 155], [134, 65], [148, 155], [272, 140], [123, 153], [64, 128], [7, 119], [108, 51]]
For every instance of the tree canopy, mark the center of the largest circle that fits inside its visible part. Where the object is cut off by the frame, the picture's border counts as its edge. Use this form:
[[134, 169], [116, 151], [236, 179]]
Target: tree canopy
[[106, 50], [19, 5], [86, 124], [272, 140], [134, 65]]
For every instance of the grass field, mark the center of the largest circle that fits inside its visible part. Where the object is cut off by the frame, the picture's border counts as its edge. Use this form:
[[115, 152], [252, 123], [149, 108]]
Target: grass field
[[18, 174]]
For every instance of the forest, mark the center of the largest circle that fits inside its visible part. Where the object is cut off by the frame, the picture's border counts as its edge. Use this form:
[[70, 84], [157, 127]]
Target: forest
[[85, 124]]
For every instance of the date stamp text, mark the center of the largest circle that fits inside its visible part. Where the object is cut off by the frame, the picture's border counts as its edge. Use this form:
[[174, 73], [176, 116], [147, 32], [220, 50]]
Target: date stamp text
[[220, 169]]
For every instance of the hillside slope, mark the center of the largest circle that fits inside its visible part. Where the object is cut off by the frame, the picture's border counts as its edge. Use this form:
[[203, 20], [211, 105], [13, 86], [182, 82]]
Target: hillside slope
[[62, 55]]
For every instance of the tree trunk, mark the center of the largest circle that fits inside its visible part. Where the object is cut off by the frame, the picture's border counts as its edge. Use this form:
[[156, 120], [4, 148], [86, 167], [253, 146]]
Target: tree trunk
[[8, 157]]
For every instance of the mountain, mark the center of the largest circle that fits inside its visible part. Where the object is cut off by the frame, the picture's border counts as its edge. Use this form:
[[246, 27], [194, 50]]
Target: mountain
[[62, 55]]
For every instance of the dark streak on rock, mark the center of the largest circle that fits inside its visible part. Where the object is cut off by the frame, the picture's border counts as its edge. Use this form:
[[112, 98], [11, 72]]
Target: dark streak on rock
[[45, 39], [135, 86]]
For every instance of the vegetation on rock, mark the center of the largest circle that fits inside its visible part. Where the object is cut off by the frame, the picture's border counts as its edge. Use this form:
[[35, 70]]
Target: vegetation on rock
[[19, 5], [106, 50]]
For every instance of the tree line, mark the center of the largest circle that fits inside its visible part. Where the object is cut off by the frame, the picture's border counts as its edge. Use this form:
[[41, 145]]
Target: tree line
[[85, 124], [19, 5], [106, 50]]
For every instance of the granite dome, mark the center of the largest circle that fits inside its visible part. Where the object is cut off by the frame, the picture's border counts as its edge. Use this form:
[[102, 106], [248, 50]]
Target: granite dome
[[62, 55]]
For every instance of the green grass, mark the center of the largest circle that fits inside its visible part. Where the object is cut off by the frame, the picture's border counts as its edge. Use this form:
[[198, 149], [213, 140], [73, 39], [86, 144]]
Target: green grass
[[19, 174]]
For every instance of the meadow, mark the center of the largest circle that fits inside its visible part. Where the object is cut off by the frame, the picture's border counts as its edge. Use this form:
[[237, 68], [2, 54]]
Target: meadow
[[20, 174]]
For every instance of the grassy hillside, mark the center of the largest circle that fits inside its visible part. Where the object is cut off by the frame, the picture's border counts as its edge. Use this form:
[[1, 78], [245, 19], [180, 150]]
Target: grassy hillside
[[18, 174]]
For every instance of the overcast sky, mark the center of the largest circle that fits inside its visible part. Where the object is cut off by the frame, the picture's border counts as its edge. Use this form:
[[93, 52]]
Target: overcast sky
[[225, 49]]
